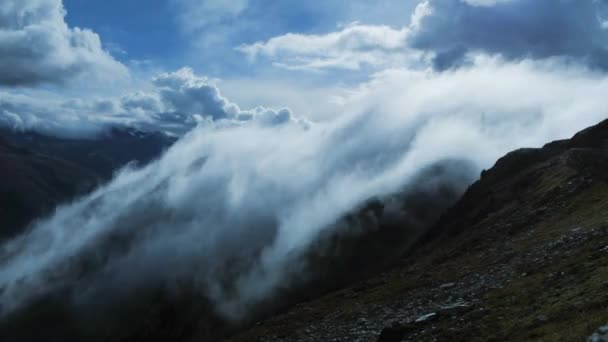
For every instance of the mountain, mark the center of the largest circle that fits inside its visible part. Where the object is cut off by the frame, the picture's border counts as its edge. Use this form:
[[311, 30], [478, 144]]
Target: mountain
[[102, 154], [33, 184], [39, 171], [359, 245], [519, 255], [522, 256]]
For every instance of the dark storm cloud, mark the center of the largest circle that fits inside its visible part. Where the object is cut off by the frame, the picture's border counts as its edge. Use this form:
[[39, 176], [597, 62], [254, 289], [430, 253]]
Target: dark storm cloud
[[515, 29]]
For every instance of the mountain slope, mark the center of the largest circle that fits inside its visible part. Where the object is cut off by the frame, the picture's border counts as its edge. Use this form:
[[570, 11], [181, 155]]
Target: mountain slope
[[38, 172], [102, 154], [360, 244], [522, 256], [33, 184]]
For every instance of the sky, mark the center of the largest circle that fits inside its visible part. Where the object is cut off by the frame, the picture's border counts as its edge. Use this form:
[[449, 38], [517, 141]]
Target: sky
[[291, 115], [129, 30], [88, 59], [125, 45], [204, 34]]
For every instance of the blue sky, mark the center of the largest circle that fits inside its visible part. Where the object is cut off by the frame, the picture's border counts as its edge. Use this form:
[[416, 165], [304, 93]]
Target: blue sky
[[143, 32], [174, 33]]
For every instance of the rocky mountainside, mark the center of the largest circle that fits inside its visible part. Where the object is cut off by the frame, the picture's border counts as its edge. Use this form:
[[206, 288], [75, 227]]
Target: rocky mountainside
[[523, 256], [38, 172]]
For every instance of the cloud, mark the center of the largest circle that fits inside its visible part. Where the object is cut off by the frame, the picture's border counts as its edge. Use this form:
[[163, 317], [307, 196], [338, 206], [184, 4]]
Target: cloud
[[211, 25], [231, 209], [52, 116], [515, 29], [351, 48], [37, 46], [448, 32], [185, 92], [200, 14], [317, 101], [354, 47], [187, 98], [214, 34], [175, 103], [484, 2]]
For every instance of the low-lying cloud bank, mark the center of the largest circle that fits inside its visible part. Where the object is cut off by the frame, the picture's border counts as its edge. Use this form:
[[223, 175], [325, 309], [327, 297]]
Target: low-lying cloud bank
[[175, 103], [248, 200]]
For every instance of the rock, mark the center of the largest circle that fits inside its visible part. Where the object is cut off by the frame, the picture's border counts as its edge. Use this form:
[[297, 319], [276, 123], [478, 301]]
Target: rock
[[426, 318], [396, 332], [600, 335], [447, 286]]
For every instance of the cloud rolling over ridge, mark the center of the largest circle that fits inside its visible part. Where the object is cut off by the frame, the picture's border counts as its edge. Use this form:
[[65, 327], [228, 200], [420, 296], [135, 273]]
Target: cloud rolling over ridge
[[230, 208]]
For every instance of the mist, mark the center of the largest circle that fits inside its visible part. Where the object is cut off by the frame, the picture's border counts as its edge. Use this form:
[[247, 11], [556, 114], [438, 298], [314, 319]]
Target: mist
[[233, 207]]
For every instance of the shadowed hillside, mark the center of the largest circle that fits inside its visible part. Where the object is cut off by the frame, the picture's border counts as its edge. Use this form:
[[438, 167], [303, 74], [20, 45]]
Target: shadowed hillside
[[33, 184], [40, 172], [102, 154]]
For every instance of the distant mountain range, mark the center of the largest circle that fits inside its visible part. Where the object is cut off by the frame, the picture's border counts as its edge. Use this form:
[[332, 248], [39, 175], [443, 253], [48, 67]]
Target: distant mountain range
[[39, 171]]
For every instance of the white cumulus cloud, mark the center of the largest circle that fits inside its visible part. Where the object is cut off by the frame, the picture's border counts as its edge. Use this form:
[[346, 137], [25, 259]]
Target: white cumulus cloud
[[353, 47], [175, 103], [37, 46]]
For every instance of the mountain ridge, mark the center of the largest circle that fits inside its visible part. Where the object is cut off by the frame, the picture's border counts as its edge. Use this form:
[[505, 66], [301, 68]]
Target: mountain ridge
[[520, 257]]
